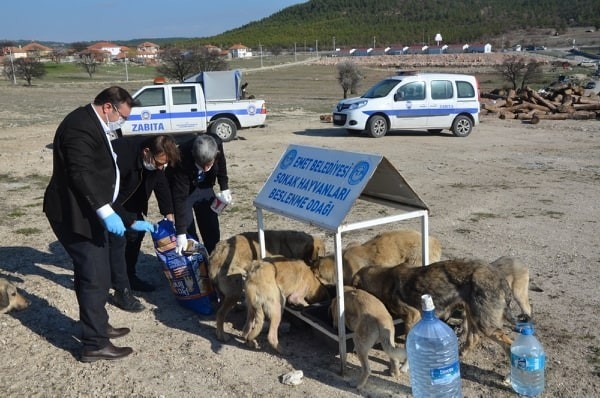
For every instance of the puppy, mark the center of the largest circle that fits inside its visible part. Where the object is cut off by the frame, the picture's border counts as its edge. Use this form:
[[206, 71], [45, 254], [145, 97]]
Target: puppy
[[386, 250], [270, 284], [232, 258], [10, 298], [475, 285], [371, 323], [517, 276]]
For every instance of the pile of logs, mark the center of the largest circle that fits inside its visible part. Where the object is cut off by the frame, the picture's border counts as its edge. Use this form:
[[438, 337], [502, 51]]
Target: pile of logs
[[561, 101]]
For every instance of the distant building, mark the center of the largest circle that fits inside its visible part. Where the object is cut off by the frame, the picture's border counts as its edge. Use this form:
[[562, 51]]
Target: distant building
[[147, 52], [240, 51]]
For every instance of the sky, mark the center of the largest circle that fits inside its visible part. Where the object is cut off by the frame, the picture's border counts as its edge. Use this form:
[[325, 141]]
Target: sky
[[71, 21]]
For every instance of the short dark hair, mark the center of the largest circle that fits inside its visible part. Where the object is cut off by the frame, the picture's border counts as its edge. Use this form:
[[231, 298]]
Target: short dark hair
[[114, 95]]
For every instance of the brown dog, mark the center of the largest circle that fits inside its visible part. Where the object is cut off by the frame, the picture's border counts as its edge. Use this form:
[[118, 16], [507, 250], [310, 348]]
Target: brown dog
[[371, 323], [517, 276], [270, 284], [232, 258], [10, 298], [387, 249], [475, 285]]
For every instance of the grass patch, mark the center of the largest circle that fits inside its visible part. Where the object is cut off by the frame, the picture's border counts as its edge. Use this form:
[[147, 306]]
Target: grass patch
[[16, 213], [28, 231], [476, 217]]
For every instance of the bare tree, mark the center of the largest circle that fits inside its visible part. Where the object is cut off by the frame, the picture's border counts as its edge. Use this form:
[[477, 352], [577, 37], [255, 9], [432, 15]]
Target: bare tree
[[349, 76], [519, 71], [8, 69], [178, 64], [89, 63], [27, 69]]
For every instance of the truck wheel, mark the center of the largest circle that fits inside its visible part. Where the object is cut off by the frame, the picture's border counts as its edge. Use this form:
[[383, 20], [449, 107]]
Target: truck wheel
[[224, 128], [462, 126], [377, 126]]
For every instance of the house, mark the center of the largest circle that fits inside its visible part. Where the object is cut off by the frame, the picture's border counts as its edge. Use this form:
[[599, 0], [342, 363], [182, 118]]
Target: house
[[147, 52], [36, 50], [105, 50], [240, 51]]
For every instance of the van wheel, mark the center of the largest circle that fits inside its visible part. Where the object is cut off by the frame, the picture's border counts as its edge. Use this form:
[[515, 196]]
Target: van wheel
[[224, 128], [377, 126], [462, 126]]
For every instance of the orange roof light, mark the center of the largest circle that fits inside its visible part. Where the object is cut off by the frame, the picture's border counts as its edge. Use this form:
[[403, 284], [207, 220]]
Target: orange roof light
[[160, 80]]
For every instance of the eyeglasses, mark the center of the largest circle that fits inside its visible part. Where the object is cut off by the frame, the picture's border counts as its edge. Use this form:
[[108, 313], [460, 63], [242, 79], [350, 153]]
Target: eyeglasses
[[119, 112]]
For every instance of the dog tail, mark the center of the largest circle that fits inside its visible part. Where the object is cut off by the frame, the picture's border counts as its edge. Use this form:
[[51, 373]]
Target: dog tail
[[386, 337]]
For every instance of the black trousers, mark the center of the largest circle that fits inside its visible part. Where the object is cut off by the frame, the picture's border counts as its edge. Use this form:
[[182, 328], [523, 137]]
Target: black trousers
[[124, 252], [208, 224], [91, 264]]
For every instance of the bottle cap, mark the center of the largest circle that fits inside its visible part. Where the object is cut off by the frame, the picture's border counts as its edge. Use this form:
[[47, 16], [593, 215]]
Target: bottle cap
[[427, 303], [525, 328]]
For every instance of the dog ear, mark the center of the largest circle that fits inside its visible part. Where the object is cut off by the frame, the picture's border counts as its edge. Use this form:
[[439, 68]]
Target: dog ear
[[4, 299]]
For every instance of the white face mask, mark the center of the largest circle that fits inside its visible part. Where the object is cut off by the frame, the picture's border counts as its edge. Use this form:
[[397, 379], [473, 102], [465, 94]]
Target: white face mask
[[114, 126], [149, 166]]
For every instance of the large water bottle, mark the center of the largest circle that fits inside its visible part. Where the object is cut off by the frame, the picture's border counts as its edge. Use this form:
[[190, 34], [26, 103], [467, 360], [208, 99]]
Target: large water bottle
[[527, 363], [432, 350]]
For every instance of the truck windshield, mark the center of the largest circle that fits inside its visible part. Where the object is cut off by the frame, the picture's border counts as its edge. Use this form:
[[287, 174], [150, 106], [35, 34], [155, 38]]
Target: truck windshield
[[381, 89]]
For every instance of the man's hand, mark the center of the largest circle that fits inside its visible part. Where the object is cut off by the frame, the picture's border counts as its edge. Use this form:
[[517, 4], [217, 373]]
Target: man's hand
[[114, 224], [226, 195]]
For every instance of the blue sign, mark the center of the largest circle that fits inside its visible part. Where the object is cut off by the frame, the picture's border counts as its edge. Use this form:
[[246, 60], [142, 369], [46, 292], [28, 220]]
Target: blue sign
[[317, 185]]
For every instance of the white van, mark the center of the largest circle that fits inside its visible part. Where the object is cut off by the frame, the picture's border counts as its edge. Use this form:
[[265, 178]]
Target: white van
[[412, 101]]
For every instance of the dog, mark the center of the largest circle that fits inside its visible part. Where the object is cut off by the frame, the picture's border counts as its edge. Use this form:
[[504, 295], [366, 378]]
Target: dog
[[371, 323], [386, 250], [10, 298], [477, 286], [516, 274], [231, 259], [270, 284]]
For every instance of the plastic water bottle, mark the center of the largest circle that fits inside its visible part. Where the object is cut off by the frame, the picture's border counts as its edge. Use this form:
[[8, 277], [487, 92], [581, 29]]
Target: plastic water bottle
[[527, 363], [432, 350]]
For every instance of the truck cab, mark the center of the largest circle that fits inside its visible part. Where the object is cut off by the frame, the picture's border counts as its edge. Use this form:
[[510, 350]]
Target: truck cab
[[167, 108]]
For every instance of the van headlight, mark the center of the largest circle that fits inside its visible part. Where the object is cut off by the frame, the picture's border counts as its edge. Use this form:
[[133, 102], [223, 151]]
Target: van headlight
[[357, 105]]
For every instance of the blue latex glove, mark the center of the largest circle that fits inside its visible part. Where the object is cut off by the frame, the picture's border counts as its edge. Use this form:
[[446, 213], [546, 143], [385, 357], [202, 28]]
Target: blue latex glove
[[114, 224], [143, 226]]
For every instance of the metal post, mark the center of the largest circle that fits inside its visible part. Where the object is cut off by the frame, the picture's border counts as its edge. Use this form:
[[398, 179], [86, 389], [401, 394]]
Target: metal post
[[12, 66]]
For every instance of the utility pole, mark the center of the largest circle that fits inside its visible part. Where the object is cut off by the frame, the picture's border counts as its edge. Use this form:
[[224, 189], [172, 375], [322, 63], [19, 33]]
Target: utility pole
[[261, 55], [12, 65], [334, 44], [317, 47], [373, 42], [295, 58]]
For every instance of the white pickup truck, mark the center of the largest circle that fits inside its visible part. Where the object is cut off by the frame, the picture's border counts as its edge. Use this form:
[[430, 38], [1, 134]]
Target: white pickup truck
[[207, 101]]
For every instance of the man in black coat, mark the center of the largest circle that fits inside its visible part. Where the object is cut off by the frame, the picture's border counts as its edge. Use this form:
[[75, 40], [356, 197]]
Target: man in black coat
[[141, 161], [78, 204], [192, 180]]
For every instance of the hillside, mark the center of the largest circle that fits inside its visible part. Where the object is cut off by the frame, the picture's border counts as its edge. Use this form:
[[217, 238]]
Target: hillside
[[345, 23]]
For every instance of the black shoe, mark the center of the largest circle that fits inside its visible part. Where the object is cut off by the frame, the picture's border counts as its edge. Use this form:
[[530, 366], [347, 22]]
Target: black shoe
[[125, 300], [114, 333], [109, 352], [139, 285]]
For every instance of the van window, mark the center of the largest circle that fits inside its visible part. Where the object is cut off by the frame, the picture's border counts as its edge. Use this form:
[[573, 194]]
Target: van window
[[412, 91], [151, 97], [184, 95], [465, 89], [441, 89]]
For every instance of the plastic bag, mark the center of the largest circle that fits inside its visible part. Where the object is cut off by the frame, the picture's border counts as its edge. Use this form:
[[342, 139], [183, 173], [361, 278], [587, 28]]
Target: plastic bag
[[187, 274]]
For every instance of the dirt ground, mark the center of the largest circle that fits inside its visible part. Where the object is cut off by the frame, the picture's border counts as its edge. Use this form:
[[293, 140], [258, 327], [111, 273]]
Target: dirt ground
[[508, 189]]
